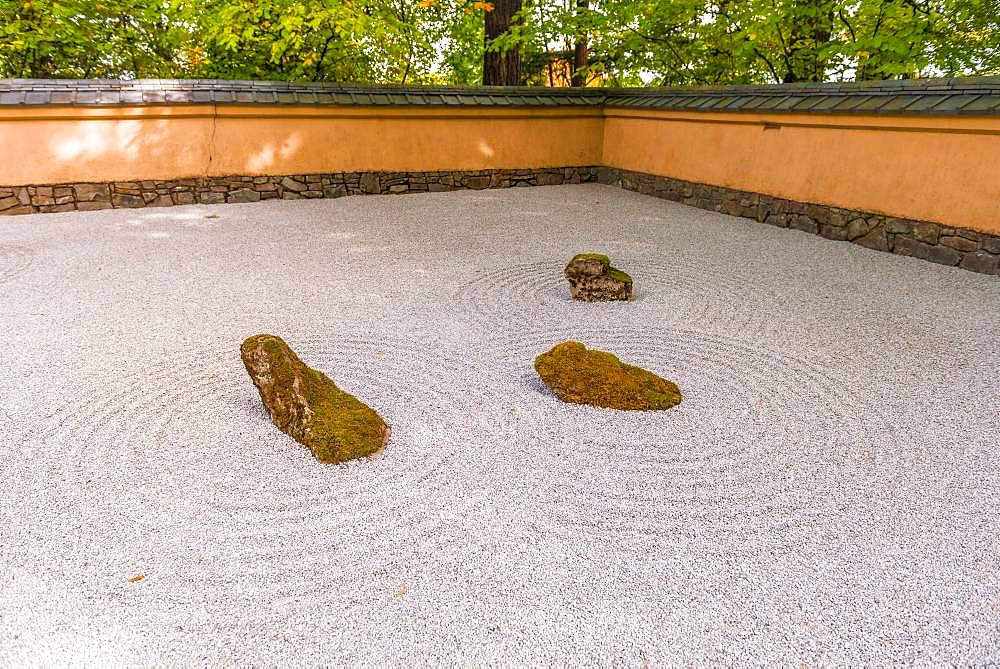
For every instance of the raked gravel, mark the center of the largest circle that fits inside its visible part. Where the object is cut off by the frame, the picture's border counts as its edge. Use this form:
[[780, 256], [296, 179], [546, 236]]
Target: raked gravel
[[825, 494]]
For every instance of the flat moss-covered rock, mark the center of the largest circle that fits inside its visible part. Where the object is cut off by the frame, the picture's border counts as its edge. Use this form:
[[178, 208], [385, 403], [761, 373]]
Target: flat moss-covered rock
[[309, 407], [592, 279], [586, 376]]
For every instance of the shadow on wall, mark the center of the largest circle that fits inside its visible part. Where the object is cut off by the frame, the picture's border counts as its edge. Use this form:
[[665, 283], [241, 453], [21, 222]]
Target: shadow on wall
[[93, 139], [311, 150], [100, 141], [104, 149], [485, 149], [261, 160], [264, 145], [129, 145]]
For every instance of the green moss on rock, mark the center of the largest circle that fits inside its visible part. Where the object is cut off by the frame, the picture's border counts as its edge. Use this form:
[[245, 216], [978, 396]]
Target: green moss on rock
[[308, 406], [596, 257], [580, 375], [619, 275]]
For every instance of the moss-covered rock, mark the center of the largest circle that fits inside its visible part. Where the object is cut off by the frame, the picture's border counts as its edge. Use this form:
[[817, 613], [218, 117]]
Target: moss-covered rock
[[586, 376], [308, 406], [592, 279]]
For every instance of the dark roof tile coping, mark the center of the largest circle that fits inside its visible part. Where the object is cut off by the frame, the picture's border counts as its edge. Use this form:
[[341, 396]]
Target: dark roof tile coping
[[972, 95]]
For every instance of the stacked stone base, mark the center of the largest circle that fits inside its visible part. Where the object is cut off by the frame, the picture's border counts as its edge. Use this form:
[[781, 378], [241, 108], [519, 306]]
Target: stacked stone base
[[975, 251], [216, 190]]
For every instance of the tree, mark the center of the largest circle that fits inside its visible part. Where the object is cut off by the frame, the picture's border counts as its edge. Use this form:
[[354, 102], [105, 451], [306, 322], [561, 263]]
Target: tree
[[502, 54], [769, 41], [317, 40], [580, 50], [810, 30], [553, 42], [108, 39]]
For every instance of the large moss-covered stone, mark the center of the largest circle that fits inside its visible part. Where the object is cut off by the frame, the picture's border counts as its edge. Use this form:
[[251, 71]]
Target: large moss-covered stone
[[592, 279], [586, 376], [308, 406]]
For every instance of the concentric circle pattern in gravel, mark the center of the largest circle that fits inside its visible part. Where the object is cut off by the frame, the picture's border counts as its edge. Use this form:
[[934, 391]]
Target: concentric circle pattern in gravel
[[825, 493], [736, 476], [13, 261]]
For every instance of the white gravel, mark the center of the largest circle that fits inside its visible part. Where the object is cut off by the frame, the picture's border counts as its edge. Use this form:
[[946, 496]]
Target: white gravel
[[826, 494]]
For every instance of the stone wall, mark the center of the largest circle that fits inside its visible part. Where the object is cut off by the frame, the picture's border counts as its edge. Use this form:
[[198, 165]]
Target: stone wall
[[91, 133], [216, 190], [975, 251]]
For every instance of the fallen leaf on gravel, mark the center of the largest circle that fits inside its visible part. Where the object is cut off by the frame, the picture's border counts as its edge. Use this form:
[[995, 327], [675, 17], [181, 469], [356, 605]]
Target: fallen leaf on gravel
[[136, 579], [401, 591]]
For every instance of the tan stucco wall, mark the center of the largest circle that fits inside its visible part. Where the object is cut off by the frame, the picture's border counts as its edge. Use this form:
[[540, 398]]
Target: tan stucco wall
[[930, 168], [59, 145], [942, 169]]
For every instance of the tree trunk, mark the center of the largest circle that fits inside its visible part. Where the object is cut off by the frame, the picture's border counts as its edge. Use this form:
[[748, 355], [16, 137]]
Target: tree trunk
[[501, 68], [580, 51], [811, 30]]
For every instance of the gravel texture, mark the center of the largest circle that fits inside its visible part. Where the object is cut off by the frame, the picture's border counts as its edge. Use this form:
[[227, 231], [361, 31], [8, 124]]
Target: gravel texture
[[825, 494]]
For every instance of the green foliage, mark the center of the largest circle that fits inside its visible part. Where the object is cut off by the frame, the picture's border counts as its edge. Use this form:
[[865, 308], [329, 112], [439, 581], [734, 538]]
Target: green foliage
[[111, 38], [631, 42], [315, 40], [760, 41]]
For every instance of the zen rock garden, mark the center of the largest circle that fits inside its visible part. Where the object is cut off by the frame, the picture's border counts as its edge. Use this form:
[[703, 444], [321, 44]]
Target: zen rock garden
[[640, 471], [336, 427]]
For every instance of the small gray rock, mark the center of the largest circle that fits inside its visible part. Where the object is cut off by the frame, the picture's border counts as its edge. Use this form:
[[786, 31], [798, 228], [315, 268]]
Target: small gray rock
[[244, 195], [592, 279]]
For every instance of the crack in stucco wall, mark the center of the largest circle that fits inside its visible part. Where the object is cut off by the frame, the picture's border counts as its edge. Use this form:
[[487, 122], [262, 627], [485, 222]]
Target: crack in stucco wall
[[211, 140]]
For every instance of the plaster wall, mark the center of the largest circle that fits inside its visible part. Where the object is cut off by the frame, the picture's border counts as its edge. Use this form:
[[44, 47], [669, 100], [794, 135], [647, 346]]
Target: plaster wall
[[941, 169], [70, 145]]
